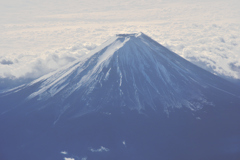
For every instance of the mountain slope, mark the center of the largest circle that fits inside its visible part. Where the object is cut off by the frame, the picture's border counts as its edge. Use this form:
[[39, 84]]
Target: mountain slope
[[131, 85]]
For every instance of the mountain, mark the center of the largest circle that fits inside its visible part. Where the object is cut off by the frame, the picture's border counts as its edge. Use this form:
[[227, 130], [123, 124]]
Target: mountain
[[131, 98]]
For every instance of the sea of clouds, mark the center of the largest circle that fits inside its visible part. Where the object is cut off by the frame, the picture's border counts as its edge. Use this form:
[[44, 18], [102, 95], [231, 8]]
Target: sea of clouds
[[37, 37]]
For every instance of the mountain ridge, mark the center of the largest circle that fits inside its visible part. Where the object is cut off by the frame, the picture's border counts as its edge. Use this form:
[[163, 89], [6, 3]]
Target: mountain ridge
[[131, 98], [127, 58]]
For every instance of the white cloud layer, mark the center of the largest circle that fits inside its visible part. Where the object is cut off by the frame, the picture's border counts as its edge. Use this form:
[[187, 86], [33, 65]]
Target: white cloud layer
[[41, 36]]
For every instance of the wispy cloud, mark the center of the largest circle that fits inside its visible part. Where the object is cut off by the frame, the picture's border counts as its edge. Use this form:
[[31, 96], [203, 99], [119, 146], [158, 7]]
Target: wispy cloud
[[101, 149], [64, 152]]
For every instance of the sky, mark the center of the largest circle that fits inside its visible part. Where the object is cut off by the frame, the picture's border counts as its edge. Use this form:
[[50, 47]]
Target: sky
[[40, 36]]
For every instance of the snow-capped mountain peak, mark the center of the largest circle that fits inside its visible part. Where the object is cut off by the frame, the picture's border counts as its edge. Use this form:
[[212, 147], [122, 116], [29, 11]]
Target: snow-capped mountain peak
[[128, 70], [90, 107]]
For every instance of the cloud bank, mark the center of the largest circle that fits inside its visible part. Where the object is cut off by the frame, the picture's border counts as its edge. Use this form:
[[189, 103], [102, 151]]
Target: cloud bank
[[42, 36]]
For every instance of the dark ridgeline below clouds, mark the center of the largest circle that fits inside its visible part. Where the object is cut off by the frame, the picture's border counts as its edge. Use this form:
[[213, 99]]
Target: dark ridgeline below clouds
[[8, 83]]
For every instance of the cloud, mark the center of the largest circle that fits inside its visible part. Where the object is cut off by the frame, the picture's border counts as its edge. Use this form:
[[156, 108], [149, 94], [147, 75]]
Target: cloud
[[37, 39], [124, 143], [210, 48], [101, 149], [6, 62], [235, 66], [30, 67], [68, 158], [64, 152]]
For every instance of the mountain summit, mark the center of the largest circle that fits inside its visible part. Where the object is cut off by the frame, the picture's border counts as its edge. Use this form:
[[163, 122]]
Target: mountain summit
[[129, 85]]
